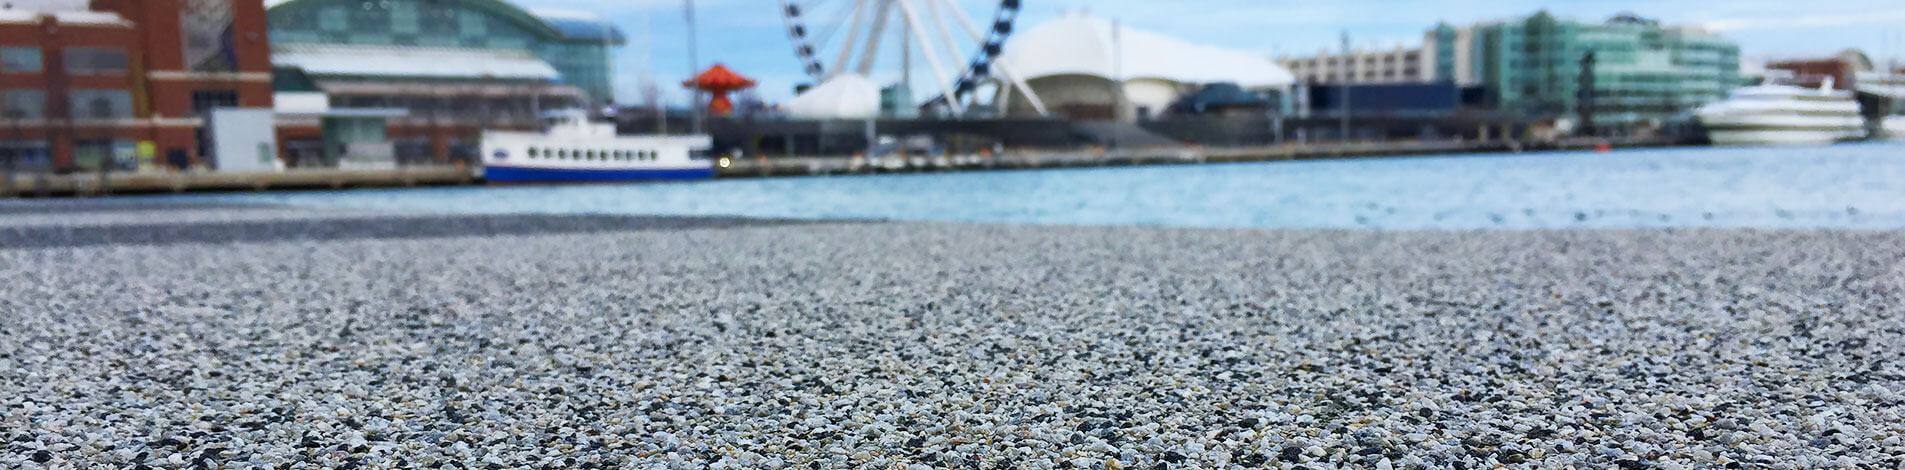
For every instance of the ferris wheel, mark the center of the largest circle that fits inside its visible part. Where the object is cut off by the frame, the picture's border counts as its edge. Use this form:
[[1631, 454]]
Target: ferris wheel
[[839, 37]]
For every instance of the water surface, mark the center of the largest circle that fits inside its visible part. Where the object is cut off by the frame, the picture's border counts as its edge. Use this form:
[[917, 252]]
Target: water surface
[[1845, 186]]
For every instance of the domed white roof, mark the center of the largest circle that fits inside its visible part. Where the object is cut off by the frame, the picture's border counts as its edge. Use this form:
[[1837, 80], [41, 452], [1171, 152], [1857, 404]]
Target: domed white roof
[[1080, 44], [845, 96]]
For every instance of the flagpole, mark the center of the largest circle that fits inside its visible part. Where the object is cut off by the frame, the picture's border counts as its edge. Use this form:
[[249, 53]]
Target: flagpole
[[694, 61]]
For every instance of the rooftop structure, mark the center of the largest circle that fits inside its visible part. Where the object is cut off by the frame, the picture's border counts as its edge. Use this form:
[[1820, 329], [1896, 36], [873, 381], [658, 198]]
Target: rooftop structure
[[456, 66], [575, 44], [1086, 67]]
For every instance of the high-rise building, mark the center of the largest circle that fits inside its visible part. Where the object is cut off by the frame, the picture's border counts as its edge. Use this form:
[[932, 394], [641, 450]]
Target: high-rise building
[[1643, 72], [1401, 64]]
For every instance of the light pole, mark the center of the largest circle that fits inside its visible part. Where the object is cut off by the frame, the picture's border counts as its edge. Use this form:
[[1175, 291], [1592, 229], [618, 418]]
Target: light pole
[[694, 60], [1349, 72]]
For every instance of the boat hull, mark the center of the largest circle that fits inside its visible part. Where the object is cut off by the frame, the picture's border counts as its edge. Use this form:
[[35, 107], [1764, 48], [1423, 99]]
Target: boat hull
[[517, 174], [1775, 137], [1893, 128]]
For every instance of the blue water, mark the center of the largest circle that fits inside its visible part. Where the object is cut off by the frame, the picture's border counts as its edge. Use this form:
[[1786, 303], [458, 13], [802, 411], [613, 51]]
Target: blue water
[[1846, 186]]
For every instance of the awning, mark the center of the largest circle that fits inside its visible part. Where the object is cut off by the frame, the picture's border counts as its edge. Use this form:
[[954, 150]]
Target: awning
[[445, 90], [414, 62]]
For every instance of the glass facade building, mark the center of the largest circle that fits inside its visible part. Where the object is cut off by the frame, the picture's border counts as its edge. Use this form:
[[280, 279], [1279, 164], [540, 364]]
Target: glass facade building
[[1644, 73], [579, 48]]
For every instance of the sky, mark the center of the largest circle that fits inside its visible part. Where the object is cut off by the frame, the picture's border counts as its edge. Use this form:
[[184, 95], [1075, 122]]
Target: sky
[[750, 36]]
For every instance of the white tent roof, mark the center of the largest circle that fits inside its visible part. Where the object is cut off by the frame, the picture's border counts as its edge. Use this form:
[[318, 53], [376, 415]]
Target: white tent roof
[[845, 96], [1080, 44], [414, 62]]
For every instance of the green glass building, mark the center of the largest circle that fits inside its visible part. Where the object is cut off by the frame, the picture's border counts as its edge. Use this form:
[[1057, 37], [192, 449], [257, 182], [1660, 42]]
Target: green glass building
[[578, 47], [1644, 73]]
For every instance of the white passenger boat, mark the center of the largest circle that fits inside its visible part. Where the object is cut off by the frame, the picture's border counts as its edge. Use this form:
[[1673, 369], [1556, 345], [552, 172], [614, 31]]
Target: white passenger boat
[[1783, 115], [572, 149]]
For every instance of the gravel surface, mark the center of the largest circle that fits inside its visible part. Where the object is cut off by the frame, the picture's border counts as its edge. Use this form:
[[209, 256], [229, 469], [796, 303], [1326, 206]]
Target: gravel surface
[[904, 345]]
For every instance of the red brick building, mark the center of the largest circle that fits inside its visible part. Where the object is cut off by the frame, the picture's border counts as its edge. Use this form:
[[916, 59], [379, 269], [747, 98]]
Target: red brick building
[[1842, 69], [126, 82]]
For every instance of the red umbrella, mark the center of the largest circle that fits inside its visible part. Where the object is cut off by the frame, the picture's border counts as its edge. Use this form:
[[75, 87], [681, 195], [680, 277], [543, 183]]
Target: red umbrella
[[718, 81]]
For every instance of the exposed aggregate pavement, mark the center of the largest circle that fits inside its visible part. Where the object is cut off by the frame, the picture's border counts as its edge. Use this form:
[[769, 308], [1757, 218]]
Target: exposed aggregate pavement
[[886, 345]]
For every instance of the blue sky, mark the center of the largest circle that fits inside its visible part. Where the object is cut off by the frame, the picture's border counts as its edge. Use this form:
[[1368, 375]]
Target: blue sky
[[748, 34]]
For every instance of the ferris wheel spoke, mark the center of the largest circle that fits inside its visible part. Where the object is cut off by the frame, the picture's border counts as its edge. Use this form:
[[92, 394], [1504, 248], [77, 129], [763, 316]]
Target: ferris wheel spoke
[[871, 54], [938, 22], [854, 27], [932, 57], [991, 48], [839, 13]]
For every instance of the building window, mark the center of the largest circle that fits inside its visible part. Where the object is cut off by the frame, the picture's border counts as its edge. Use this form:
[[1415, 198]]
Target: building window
[[22, 104], [101, 104], [204, 101], [92, 154], [95, 61], [20, 59], [25, 155]]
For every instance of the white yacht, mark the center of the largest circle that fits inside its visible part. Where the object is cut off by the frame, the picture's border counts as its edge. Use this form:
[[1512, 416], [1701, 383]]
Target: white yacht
[[573, 149], [1783, 115]]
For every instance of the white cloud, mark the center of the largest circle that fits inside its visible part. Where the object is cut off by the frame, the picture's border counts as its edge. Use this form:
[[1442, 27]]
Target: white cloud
[[1811, 21]]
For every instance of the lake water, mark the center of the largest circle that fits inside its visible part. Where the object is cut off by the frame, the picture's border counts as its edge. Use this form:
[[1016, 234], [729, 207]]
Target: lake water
[[1846, 186]]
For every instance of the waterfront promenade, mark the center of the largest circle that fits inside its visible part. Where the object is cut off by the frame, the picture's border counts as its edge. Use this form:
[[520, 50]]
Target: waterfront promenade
[[133, 336]]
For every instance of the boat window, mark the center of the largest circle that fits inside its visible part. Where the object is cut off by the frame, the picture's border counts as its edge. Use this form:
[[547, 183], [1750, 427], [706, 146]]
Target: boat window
[[532, 152]]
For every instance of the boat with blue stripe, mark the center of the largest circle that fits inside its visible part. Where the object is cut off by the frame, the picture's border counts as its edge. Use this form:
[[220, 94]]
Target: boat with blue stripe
[[572, 149]]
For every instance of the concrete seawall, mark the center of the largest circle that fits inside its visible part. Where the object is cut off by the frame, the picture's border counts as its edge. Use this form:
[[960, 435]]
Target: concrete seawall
[[804, 166], [90, 184]]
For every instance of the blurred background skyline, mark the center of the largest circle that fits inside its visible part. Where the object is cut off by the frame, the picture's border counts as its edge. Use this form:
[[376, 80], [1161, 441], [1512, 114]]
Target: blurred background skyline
[[749, 35]]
